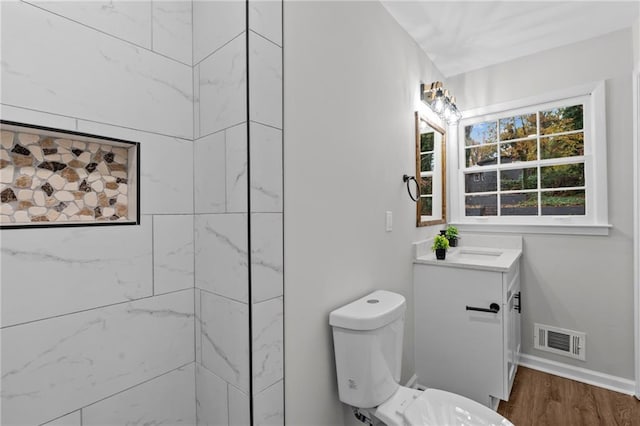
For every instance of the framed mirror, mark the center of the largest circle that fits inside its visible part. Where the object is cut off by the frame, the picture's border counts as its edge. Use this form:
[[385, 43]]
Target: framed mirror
[[431, 208]]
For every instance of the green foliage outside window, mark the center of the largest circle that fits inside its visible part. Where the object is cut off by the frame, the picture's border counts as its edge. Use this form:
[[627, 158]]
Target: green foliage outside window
[[556, 133]]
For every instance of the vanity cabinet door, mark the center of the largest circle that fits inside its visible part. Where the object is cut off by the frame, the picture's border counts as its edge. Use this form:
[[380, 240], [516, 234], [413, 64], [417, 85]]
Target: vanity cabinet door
[[456, 349]]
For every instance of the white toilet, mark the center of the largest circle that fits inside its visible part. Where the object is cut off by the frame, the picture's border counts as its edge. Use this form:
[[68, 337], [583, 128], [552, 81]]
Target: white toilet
[[367, 339]]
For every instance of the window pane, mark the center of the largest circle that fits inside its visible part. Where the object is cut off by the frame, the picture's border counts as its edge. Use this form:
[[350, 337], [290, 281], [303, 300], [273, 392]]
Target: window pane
[[519, 204], [561, 120], [427, 141], [511, 180], [562, 146], [482, 155], [480, 133], [563, 203], [518, 151], [426, 163], [480, 182], [426, 206], [481, 205], [519, 126], [426, 185], [562, 176]]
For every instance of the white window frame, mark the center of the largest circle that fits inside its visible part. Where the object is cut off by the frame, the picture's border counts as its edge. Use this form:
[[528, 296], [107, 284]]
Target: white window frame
[[595, 220]]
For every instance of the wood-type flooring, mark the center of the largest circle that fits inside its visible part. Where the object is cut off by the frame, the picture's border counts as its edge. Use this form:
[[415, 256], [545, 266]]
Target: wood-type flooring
[[541, 399]]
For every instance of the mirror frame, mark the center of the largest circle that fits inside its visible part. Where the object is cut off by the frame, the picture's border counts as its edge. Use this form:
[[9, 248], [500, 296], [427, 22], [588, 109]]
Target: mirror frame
[[443, 160]]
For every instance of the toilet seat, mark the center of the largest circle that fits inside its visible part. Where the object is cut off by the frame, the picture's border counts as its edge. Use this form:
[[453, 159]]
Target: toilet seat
[[433, 407], [437, 407]]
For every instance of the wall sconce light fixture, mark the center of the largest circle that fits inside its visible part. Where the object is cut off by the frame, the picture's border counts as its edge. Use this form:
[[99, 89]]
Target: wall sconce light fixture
[[440, 101]]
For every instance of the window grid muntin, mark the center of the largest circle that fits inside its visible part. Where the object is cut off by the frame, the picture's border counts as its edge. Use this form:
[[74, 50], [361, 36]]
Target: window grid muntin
[[538, 163]]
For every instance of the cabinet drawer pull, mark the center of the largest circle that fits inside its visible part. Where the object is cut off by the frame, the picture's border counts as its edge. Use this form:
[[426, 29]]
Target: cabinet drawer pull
[[494, 308], [518, 307]]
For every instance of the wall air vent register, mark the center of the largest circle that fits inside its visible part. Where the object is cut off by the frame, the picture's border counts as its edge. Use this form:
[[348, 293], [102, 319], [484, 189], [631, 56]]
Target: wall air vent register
[[560, 341]]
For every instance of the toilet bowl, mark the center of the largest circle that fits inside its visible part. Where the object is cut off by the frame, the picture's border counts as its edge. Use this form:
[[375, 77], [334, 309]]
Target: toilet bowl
[[367, 336], [433, 407]]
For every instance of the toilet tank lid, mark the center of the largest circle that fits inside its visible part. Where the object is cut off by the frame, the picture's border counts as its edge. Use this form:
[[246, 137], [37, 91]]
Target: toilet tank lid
[[370, 312]]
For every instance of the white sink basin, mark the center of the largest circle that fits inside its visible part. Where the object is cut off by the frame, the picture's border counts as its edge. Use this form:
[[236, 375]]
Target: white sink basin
[[477, 254], [490, 253]]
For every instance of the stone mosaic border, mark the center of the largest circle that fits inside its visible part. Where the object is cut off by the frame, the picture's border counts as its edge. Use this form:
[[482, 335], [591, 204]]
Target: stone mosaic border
[[54, 177]]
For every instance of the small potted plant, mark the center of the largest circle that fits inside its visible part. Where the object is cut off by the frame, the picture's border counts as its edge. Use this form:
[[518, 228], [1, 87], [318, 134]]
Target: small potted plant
[[440, 246], [452, 235]]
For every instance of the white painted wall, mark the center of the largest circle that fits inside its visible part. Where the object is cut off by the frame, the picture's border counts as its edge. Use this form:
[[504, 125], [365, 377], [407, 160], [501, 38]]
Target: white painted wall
[[351, 87], [582, 283], [636, 43]]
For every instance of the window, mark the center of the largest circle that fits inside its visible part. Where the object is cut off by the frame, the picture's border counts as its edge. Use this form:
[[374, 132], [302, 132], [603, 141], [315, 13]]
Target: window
[[538, 164]]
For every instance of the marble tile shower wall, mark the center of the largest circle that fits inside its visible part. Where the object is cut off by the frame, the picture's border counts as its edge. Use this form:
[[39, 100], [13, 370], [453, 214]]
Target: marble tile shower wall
[[98, 323], [223, 121]]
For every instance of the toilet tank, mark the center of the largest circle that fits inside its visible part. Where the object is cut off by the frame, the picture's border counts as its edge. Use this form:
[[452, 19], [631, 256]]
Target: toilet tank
[[367, 341]]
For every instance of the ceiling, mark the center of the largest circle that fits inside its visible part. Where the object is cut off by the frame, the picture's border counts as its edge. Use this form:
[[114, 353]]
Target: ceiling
[[461, 36]]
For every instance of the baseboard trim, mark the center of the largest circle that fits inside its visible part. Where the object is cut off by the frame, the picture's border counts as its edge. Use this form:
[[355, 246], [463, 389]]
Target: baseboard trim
[[579, 374]]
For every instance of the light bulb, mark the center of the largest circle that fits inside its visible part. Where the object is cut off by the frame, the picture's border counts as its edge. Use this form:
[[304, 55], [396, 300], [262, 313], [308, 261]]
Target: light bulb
[[447, 113], [454, 115], [438, 103]]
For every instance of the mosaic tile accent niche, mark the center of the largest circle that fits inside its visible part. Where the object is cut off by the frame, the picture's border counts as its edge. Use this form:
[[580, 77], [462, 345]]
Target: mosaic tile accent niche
[[55, 177]]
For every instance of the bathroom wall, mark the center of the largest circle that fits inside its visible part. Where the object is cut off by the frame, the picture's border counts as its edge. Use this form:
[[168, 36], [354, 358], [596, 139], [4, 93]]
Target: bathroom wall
[[582, 283], [352, 79], [238, 205], [97, 323], [636, 43]]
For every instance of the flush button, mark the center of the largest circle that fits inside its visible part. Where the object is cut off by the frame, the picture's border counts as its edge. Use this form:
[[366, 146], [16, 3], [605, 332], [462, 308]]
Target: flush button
[[373, 301]]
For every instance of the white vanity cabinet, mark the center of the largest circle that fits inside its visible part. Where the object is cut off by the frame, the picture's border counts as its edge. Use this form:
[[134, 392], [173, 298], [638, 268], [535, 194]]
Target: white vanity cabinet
[[467, 328]]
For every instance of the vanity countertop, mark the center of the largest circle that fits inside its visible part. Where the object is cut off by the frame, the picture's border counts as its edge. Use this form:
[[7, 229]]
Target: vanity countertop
[[482, 252]]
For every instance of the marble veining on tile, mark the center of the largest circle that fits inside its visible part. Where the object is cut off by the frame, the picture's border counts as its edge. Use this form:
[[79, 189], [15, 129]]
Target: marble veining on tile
[[165, 400], [266, 168], [137, 88], [222, 254], [225, 339], [223, 87], [211, 398], [265, 75], [209, 173], [173, 252], [236, 168], [214, 24], [265, 18], [267, 265], [53, 367], [87, 274], [269, 406], [268, 343], [239, 403], [172, 29], [50, 179], [128, 20]]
